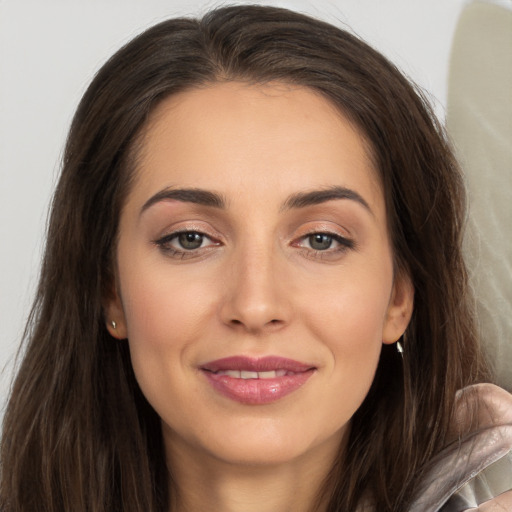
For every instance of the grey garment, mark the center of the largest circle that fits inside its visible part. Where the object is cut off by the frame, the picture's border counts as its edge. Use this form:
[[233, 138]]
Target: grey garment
[[493, 481], [477, 469]]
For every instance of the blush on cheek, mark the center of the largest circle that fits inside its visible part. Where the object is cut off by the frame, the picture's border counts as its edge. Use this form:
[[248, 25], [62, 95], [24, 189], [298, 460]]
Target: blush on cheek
[[149, 305], [352, 320]]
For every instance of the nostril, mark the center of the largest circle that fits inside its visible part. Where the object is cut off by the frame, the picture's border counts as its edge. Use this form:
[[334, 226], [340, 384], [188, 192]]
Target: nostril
[[274, 322]]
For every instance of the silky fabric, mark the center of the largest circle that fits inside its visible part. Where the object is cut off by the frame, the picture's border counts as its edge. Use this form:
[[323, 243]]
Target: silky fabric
[[474, 472]]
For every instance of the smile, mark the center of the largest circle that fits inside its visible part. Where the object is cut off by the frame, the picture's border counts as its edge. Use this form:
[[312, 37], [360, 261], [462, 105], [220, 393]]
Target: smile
[[246, 374], [256, 381]]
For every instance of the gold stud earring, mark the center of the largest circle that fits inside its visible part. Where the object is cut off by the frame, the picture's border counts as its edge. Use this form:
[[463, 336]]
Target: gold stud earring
[[113, 324]]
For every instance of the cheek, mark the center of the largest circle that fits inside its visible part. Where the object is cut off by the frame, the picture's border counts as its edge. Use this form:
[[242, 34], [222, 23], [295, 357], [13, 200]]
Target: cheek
[[352, 333], [162, 306], [164, 317], [163, 327], [350, 312], [349, 319]]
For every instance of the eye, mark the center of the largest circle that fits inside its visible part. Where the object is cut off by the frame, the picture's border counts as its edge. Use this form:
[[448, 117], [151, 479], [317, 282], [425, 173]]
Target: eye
[[184, 243], [320, 241], [320, 244], [190, 240]]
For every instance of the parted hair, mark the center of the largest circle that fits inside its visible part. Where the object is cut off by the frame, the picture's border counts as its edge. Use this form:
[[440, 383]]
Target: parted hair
[[78, 434]]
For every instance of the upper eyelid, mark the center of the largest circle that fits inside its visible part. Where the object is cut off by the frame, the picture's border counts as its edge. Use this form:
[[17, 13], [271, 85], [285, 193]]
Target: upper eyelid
[[325, 230], [174, 234], [190, 227], [344, 240], [308, 228], [326, 224], [330, 232]]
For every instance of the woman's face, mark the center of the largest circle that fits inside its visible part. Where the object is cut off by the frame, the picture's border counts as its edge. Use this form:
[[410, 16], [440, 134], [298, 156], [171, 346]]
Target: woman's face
[[255, 273]]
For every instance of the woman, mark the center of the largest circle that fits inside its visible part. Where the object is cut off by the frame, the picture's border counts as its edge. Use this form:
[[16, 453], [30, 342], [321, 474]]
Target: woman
[[253, 294]]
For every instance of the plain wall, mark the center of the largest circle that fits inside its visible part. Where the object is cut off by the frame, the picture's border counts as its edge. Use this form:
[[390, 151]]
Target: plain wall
[[50, 50]]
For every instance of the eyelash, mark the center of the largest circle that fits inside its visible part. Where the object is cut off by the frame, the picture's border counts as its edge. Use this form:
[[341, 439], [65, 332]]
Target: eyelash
[[344, 244], [163, 244], [174, 252]]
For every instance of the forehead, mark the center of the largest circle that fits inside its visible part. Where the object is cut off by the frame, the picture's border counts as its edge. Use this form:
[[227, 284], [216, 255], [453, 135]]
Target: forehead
[[237, 136]]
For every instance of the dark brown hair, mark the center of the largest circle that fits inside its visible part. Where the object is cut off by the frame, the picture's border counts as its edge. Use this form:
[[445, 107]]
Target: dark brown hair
[[78, 434]]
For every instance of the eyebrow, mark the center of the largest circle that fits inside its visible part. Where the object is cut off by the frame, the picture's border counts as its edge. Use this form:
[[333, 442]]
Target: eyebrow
[[315, 197], [215, 200], [186, 195]]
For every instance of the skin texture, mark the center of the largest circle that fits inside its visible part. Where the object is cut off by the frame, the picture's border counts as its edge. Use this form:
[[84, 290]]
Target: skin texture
[[500, 504], [255, 287]]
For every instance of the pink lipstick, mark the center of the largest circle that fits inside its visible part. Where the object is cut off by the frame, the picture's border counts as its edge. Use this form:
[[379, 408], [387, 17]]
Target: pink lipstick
[[256, 381]]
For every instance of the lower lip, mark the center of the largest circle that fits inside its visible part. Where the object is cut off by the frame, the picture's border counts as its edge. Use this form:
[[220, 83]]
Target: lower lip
[[257, 391]]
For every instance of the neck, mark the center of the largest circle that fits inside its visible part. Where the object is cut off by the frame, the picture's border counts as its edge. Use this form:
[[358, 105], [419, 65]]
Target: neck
[[212, 485]]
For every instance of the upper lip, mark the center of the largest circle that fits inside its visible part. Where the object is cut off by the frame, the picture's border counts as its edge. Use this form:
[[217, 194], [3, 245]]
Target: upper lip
[[260, 364]]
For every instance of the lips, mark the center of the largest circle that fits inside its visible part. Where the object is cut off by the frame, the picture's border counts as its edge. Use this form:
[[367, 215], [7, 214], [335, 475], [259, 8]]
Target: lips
[[247, 374], [256, 381]]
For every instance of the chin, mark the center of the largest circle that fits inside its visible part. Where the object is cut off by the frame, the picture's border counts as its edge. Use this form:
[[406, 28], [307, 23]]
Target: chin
[[263, 442]]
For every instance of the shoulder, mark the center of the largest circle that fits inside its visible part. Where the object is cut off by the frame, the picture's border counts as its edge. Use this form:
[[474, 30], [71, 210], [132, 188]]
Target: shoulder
[[474, 471]]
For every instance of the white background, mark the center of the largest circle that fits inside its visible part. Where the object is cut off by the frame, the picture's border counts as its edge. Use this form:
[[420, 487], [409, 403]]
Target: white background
[[49, 51]]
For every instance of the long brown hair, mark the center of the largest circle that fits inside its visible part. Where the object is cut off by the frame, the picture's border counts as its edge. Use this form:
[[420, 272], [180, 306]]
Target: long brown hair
[[78, 433]]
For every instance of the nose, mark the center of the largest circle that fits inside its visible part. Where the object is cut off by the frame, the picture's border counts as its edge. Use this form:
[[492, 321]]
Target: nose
[[256, 298]]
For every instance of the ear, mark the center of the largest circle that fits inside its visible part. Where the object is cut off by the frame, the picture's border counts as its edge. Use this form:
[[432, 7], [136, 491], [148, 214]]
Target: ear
[[399, 310], [114, 315]]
